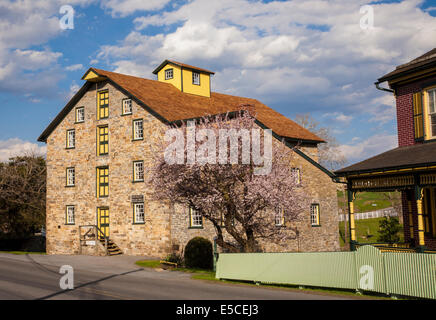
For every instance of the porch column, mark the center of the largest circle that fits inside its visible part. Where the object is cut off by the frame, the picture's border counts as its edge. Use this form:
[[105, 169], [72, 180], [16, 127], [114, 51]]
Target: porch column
[[409, 206], [412, 236], [351, 197], [418, 196]]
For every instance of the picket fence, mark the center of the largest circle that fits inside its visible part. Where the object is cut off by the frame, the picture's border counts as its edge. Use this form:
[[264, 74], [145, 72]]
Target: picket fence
[[387, 212]]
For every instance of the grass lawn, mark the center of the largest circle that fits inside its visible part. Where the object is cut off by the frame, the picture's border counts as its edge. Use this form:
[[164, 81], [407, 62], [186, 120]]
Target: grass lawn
[[366, 230], [22, 252], [209, 275], [369, 201]]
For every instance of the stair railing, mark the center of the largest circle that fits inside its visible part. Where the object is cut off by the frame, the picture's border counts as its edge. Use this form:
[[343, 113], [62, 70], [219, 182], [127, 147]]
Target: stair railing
[[95, 236]]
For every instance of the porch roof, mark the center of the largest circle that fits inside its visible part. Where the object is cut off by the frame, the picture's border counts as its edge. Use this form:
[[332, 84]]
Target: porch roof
[[419, 155]]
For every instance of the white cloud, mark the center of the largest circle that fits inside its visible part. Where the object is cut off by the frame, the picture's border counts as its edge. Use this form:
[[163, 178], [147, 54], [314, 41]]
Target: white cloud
[[123, 8], [284, 52], [25, 26], [16, 147], [339, 117], [363, 149], [74, 87], [74, 67]]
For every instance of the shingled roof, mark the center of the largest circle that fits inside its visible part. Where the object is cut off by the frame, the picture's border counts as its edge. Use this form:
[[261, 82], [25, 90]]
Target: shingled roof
[[419, 155], [184, 65], [171, 105], [424, 61]]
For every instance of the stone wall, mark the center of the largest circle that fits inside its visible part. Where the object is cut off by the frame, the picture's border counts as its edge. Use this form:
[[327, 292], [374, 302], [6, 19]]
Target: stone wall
[[165, 227]]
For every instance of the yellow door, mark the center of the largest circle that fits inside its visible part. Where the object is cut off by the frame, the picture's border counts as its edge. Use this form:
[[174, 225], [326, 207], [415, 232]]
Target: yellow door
[[103, 222]]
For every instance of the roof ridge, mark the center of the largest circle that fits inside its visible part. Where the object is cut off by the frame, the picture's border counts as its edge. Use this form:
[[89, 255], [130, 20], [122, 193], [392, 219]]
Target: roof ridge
[[426, 56]]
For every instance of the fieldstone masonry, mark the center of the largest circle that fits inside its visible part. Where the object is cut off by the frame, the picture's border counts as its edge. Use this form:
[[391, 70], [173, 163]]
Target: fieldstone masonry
[[166, 227]]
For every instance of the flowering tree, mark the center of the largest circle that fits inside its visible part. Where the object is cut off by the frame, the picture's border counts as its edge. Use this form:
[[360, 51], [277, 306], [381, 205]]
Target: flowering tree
[[245, 204]]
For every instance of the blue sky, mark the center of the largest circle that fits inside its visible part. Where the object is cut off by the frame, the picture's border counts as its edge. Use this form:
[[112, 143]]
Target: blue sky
[[295, 56]]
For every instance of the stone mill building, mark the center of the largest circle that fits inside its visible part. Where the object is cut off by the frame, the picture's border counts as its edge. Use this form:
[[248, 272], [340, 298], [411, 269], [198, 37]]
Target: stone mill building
[[98, 151]]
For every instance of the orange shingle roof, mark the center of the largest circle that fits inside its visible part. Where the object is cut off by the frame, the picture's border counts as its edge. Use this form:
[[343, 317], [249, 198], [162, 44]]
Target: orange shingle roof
[[172, 104]]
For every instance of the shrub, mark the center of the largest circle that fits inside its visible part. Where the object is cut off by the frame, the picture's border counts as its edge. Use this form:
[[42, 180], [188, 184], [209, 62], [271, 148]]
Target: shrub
[[175, 258], [199, 253], [389, 230]]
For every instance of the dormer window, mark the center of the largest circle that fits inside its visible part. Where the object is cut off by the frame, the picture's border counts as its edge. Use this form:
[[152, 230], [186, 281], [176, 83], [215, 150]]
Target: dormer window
[[168, 74], [196, 78]]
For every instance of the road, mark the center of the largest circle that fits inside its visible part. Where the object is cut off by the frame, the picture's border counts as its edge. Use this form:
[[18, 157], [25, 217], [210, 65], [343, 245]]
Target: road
[[117, 277]]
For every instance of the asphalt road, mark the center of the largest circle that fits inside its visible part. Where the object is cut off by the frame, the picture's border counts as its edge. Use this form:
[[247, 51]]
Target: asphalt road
[[117, 277]]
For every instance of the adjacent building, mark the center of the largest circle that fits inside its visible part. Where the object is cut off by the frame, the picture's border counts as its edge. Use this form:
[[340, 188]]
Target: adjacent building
[[410, 168], [99, 149]]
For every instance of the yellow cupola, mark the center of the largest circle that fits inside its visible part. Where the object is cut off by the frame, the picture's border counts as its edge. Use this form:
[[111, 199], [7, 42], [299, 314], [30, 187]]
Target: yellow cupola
[[186, 78]]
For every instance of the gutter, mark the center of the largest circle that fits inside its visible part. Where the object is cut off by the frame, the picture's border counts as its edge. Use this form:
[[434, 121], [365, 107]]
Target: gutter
[[377, 85]]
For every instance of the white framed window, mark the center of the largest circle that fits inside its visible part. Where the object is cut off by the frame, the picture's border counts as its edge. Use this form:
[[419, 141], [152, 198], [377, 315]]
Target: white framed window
[[432, 111], [138, 213], [279, 218], [71, 138], [80, 114], [138, 129], [314, 214], [71, 177], [127, 106], [196, 220], [296, 173], [138, 171], [196, 78], [70, 215], [169, 73]]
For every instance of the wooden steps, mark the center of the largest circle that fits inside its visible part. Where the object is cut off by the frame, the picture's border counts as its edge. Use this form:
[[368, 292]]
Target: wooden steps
[[112, 248]]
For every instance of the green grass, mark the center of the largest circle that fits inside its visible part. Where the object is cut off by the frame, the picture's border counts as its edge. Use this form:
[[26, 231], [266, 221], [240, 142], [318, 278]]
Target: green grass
[[148, 263], [364, 228], [369, 201], [22, 252]]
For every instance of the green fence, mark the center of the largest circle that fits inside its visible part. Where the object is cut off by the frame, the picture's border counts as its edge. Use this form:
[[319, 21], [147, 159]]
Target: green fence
[[408, 274]]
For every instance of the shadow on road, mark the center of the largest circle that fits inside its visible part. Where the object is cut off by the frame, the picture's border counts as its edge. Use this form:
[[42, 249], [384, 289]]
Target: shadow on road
[[44, 268]]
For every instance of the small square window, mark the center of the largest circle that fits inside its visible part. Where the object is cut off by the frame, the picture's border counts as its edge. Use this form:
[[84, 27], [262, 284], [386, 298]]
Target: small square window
[[80, 114], [196, 78], [127, 106], [138, 212], [138, 171], [70, 215], [314, 214], [169, 74], [196, 219], [138, 130], [71, 177], [71, 139]]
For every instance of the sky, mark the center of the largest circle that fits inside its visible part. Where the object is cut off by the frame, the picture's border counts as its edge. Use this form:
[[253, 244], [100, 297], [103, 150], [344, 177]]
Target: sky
[[303, 56]]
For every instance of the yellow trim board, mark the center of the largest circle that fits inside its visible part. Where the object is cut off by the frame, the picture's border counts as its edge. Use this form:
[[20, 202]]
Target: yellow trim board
[[92, 76]]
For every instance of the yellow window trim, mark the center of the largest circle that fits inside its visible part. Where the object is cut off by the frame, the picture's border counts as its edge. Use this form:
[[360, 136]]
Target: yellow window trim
[[426, 111], [191, 219], [103, 108]]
